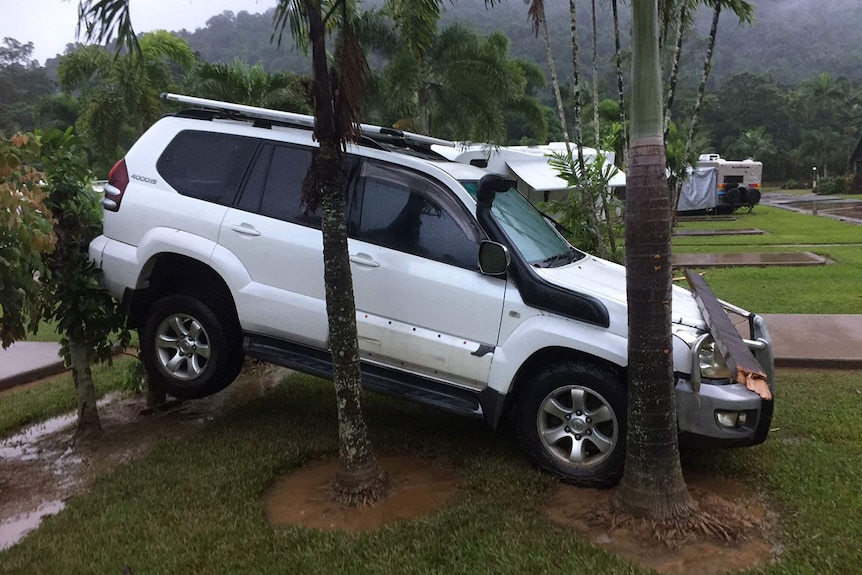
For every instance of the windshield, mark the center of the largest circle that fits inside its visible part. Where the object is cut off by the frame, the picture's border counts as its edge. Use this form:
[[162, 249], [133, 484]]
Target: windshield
[[530, 232]]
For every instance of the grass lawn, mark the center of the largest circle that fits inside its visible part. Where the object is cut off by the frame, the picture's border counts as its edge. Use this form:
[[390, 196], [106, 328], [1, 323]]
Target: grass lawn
[[833, 288], [194, 504], [24, 405]]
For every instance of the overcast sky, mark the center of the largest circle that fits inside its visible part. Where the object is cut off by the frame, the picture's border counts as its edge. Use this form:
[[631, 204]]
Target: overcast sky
[[50, 24]]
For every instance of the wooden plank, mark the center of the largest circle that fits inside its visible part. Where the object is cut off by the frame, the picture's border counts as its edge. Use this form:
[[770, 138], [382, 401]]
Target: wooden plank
[[735, 351]]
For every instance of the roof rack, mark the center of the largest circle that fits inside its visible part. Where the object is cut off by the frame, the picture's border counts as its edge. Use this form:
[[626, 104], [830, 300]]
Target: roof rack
[[242, 111]]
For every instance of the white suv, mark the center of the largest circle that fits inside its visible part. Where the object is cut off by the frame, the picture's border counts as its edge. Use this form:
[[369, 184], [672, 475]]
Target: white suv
[[214, 256]]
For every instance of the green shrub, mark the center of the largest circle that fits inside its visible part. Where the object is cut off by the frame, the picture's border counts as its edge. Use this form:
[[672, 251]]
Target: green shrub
[[833, 185], [790, 185]]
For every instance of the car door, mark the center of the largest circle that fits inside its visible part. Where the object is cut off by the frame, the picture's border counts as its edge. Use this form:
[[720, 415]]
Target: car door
[[422, 304], [280, 245]]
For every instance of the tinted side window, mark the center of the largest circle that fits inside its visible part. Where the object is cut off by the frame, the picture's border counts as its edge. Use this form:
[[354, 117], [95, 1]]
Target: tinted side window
[[274, 188], [282, 195], [206, 165], [407, 212]]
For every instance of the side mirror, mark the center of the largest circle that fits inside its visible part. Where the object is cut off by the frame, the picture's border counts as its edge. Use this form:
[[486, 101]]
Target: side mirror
[[493, 258]]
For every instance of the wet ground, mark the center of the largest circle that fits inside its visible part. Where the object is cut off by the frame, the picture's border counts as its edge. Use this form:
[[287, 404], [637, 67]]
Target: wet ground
[[743, 516], [835, 207], [44, 465], [418, 487]]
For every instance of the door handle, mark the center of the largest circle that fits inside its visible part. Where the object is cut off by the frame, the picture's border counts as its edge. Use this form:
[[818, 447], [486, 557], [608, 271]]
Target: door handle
[[364, 259], [245, 229]]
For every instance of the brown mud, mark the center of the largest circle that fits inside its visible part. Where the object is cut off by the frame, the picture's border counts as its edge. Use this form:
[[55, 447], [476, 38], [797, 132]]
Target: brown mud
[[744, 517], [418, 487]]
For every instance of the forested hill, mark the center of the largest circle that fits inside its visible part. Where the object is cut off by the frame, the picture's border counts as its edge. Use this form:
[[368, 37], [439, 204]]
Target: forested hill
[[791, 39]]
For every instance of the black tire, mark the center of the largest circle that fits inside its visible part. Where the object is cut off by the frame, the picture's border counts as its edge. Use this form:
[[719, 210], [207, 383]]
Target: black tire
[[557, 418], [731, 197], [753, 197], [186, 326]]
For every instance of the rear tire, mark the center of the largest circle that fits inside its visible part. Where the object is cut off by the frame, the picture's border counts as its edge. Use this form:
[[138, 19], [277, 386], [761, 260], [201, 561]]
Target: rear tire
[[190, 348], [571, 419]]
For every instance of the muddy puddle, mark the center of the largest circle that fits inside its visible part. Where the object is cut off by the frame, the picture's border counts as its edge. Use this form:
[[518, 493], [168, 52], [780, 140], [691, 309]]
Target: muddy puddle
[[44, 465]]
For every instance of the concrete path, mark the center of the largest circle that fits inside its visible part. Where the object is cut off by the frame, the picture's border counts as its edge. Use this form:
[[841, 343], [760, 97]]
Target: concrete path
[[823, 340], [759, 259], [26, 361], [799, 340]]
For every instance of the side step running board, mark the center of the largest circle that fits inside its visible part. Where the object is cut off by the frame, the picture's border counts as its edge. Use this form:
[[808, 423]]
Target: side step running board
[[376, 378]]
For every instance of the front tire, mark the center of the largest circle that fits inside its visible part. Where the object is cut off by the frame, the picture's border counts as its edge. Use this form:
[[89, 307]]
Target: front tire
[[571, 419], [189, 348]]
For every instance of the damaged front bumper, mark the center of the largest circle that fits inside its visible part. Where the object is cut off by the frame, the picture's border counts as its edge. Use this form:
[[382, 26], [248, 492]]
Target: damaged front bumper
[[721, 412]]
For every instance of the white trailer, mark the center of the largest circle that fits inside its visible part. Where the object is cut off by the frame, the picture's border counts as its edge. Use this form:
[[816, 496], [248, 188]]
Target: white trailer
[[527, 165], [737, 182]]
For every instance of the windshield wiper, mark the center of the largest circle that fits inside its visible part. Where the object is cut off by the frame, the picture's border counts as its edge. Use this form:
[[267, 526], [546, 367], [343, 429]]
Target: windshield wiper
[[558, 260]]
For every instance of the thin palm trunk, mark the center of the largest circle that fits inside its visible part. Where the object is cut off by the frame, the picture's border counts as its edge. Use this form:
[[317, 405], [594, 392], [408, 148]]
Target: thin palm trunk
[[707, 68], [596, 133], [652, 485], [576, 88], [359, 478], [586, 197], [674, 74], [618, 60], [555, 81]]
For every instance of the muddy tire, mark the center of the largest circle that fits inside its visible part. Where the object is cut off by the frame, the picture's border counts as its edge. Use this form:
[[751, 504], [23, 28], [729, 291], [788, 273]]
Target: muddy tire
[[190, 347], [571, 419]]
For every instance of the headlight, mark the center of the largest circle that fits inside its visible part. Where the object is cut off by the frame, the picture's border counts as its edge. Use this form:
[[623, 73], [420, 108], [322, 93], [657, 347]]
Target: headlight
[[712, 365]]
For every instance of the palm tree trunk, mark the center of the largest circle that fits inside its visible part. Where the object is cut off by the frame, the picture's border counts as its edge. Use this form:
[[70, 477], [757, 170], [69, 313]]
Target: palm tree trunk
[[652, 485], [423, 110], [89, 423], [674, 74], [576, 88], [596, 132], [359, 479], [587, 197], [620, 93], [549, 54], [707, 68]]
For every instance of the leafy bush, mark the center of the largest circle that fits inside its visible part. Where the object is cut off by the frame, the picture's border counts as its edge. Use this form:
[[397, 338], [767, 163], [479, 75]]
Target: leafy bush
[[26, 236], [833, 185], [790, 184]]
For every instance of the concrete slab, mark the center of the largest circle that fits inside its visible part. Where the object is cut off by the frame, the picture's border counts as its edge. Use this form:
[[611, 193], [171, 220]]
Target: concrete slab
[[747, 232], [824, 340], [706, 218], [747, 259], [26, 361]]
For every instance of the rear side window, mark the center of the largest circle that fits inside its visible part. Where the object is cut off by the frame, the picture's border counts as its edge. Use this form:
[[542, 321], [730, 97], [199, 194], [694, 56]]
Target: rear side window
[[275, 186], [206, 165]]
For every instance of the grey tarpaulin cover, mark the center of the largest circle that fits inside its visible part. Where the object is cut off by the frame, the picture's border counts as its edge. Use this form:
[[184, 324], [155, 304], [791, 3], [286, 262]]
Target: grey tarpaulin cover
[[700, 190]]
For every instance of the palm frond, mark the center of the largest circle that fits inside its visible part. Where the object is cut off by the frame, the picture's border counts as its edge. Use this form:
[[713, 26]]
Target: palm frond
[[101, 19]]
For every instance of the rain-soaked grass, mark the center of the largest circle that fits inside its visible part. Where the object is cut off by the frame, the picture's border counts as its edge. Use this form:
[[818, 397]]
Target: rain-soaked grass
[[833, 288], [27, 404], [193, 505]]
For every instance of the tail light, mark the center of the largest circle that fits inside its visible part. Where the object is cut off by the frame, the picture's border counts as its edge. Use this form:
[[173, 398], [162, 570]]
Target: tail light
[[721, 186], [118, 179], [755, 185]]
